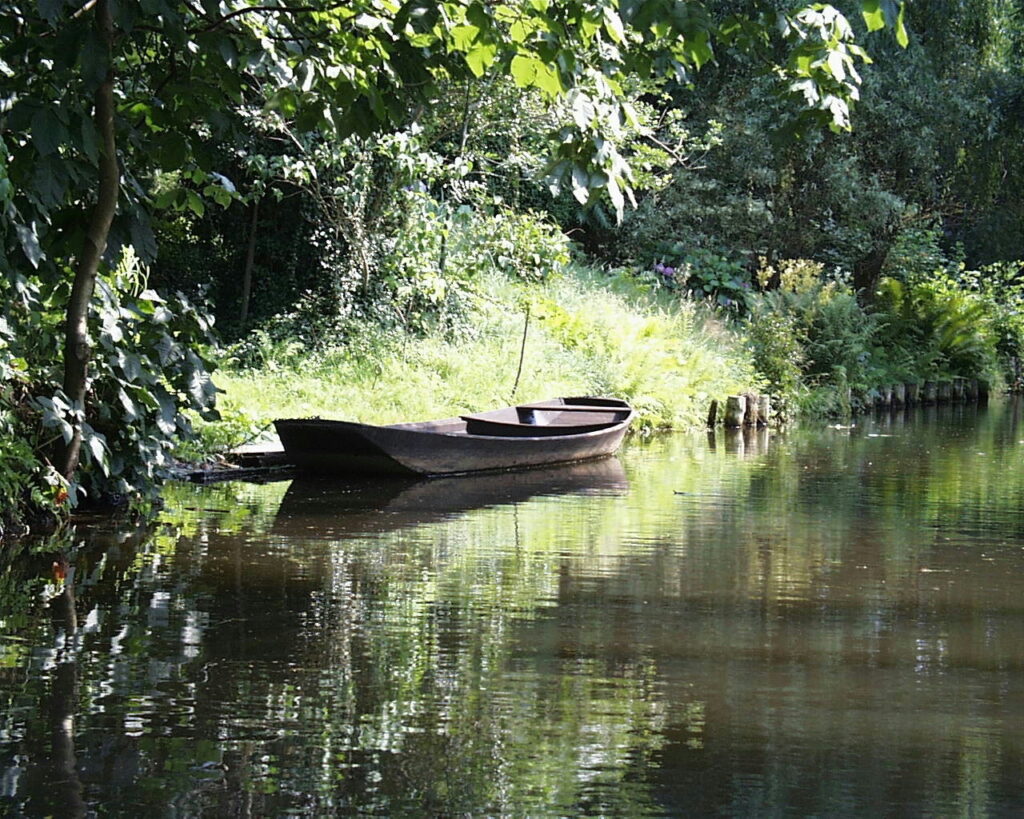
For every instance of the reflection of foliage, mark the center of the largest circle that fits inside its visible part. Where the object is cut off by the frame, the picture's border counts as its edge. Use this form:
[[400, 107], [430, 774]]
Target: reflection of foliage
[[548, 656]]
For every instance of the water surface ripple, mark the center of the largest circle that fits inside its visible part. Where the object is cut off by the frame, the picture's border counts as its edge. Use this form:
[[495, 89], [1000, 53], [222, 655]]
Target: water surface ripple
[[821, 622]]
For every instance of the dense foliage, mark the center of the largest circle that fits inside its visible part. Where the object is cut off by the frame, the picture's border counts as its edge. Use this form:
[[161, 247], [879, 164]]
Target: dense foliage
[[122, 124], [151, 365], [321, 177]]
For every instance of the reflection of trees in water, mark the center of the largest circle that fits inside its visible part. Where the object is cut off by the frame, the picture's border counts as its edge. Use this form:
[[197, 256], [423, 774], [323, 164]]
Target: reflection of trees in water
[[733, 634]]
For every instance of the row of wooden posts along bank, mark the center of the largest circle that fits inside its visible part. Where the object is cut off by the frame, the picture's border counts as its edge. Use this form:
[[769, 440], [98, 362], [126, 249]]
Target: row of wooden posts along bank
[[754, 410]]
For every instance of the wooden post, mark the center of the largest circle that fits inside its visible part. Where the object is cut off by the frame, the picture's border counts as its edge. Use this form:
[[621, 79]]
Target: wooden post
[[983, 388], [899, 395], [944, 392], [971, 389], [764, 409], [959, 388], [913, 392], [713, 413], [885, 396], [751, 417], [735, 410], [929, 392]]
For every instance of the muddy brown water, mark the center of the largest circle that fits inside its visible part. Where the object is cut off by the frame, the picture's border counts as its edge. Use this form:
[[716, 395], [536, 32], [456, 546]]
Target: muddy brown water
[[827, 621]]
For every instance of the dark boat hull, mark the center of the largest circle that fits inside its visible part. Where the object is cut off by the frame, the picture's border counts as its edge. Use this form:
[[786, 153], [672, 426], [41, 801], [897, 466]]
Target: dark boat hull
[[440, 447]]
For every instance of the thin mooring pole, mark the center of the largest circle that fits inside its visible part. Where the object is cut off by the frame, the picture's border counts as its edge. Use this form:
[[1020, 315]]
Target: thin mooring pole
[[522, 351]]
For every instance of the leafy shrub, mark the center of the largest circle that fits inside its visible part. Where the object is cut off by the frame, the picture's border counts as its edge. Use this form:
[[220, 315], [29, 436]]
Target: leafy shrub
[[840, 336], [521, 245], [702, 274], [915, 254], [812, 333], [148, 364], [1001, 287], [777, 342], [943, 328], [791, 275]]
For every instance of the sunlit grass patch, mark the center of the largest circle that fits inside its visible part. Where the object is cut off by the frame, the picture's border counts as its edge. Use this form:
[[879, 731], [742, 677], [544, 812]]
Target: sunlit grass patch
[[582, 338]]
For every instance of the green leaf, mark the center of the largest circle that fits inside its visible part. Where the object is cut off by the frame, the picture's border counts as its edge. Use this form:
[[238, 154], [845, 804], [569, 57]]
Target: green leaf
[[96, 445], [580, 184], [481, 58], [228, 51], [462, 37], [29, 240], [165, 199], [524, 70], [49, 181], [165, 349], [195, 203], [132, 411], [618, 201], [131, 365], [48, 132], [90, 139], [613, 24], [478, 15], [548, 80], [51, 10], [901, 29], [874, 17], [836, 65], [698, 48], [218, 195], [368, 22], [93, 58], [142, 237], [200, 386], [170, 150], [165, 418]]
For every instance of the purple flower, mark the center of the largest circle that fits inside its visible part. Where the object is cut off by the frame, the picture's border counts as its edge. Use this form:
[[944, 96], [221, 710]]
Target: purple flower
[[669, 271], [659, 268]]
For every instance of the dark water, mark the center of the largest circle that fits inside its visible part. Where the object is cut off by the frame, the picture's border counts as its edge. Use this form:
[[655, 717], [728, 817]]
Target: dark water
[[826, 622]]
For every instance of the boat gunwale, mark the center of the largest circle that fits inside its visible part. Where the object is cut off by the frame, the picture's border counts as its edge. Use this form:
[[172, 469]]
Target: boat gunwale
[[436, 427], [424, 428]]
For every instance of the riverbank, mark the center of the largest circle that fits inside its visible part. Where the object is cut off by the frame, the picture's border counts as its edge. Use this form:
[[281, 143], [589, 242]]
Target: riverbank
[[582, 333], [811, 347]]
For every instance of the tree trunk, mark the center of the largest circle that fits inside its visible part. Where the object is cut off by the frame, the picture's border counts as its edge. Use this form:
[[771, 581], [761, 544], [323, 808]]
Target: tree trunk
[[77, 349], [250, 260], [867, 272]]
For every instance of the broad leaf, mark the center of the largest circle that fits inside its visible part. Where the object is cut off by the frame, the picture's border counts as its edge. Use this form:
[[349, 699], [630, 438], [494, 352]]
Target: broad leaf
[[29, 241], [48, 132], [874, 17]]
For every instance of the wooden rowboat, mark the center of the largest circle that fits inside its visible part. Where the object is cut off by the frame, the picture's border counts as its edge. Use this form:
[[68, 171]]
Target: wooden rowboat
[[561, 430]]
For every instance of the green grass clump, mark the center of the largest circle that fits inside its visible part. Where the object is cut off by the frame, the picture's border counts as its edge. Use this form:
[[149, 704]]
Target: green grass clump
[[582, 338]]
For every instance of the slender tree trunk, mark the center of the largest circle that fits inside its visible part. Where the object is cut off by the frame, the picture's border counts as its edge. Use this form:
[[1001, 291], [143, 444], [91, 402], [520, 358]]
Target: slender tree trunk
[[250, 260], [77, 349]]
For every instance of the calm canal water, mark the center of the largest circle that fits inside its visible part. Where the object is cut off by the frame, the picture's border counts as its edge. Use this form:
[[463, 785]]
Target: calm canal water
[[824, 622]]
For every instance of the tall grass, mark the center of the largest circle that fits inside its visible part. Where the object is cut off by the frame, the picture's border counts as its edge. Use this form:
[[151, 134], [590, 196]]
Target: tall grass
[[581, 337]]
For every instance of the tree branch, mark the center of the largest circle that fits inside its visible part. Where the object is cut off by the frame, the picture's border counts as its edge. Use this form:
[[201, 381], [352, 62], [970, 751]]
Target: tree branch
[[272, 10], [84, 9]]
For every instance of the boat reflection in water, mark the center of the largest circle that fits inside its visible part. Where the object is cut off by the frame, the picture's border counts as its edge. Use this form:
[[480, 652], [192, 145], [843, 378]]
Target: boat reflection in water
[[325, 506]]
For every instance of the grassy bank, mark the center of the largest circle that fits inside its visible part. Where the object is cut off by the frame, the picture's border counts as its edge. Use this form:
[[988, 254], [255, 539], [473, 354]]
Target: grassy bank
[[810, 343], [586, 333]]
